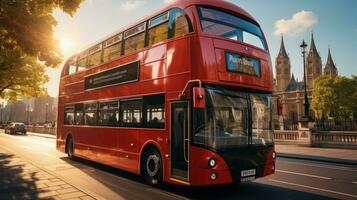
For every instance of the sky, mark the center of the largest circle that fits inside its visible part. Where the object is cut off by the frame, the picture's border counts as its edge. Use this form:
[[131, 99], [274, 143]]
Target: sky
[[333, 22]]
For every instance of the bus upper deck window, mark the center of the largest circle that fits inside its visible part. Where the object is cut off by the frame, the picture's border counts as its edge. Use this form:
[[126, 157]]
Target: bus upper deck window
[[95, 54], [179, 23], [112, 48], [158, 29]]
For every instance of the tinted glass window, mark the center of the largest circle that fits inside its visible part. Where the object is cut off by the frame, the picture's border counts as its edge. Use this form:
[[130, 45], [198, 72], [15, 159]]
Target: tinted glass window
[[181, 24], [72, 66], [78, 117], [227, 25], [69, 115], [158, 29], [90, 114], [131, 113], [108, 114], [95, 55], [134, 43], [112, 52], [154, 108], [82, 61]]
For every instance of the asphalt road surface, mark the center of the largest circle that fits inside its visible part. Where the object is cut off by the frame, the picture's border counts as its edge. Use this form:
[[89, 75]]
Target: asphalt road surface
[[294, 179]]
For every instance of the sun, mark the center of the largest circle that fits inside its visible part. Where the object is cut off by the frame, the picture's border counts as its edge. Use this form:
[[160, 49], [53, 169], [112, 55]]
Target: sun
[[66, 45]]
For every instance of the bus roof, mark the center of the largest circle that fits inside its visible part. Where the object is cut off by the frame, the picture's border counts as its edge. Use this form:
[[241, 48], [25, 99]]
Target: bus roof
[[176, 4]]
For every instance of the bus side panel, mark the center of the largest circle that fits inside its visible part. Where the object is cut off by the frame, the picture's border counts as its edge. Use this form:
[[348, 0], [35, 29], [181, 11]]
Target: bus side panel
[[203, 59], [178, 56], [60, 142]]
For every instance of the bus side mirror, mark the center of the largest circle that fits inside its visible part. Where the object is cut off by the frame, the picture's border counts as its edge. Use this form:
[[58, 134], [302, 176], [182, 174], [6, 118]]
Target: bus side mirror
[[199, 95], [279, 107]]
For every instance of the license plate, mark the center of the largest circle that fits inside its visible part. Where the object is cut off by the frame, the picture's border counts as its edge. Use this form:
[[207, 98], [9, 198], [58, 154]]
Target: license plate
[[249, 172], [246, 179]]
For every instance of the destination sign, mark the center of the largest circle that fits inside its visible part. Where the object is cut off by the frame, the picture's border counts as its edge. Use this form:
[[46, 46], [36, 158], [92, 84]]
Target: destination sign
[[242, 64], [119, 75]]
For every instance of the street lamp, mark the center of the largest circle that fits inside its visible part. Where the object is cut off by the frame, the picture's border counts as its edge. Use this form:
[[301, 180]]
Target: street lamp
[[46, 112], [306, 103]]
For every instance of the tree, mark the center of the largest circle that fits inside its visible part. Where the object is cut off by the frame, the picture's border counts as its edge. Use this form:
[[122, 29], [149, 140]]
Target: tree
[[27, 44], [324, 97], [335, 97]]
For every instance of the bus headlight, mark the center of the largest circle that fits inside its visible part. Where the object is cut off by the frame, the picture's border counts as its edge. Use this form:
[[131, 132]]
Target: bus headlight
[[211, 163], [274, 155]]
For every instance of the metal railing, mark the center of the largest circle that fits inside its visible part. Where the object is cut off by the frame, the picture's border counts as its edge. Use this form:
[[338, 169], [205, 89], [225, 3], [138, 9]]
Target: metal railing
[[335, 125]]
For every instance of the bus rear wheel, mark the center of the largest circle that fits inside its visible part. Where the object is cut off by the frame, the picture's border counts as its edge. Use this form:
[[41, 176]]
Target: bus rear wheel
[[152, 167], [69, 148]]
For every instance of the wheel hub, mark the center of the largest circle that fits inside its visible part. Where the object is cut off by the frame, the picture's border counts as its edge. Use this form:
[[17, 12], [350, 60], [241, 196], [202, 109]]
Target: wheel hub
[[152, 165]]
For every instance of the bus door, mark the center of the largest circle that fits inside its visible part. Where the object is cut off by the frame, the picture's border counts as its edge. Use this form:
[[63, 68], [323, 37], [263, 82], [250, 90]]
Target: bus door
[[179, 140]]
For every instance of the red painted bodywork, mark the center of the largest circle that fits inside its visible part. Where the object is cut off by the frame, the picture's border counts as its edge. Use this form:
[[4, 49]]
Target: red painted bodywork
[[164, 68]]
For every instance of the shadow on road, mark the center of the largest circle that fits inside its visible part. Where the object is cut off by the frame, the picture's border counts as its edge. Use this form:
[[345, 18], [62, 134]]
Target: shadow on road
[[251, 190], [17, 181]]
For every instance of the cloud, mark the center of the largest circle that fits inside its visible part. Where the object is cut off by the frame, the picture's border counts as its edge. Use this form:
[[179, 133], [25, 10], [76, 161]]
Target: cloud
[[168, 1], [298, 23], [131, 5]]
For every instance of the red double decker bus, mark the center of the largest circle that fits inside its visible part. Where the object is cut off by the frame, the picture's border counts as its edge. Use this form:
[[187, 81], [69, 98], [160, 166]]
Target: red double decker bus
[[183, 96]]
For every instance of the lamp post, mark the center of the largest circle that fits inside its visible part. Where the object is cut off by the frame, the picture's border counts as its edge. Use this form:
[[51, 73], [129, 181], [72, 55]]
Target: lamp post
[[46, 113], [306, 102]]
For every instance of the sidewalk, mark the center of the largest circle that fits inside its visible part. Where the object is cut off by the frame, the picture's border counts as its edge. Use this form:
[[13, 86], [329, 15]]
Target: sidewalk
[[42, 135], [333, 155], [20, 179]]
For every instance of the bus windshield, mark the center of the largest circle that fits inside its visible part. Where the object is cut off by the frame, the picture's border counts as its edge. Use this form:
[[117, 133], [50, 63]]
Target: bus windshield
[[233, 119], [226, 25]]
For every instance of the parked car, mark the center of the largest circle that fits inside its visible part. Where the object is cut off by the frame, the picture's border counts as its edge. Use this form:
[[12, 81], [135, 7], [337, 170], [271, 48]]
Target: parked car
[[16, 127]]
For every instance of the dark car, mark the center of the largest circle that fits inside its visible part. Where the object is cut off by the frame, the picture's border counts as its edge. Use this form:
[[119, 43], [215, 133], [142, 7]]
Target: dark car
[[16, 127]]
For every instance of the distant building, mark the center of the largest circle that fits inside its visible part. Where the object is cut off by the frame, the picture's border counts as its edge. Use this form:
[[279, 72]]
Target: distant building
[[35, 111], [289, 91]]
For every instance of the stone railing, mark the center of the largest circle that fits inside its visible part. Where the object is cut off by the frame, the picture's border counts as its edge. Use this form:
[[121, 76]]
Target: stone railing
[[286, 135], [42, 129], [345, 139]]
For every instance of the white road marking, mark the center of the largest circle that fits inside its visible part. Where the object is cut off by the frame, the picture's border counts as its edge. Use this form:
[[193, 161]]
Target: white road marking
[[314, 188], [354, 182], [301, 174], [323, 166]]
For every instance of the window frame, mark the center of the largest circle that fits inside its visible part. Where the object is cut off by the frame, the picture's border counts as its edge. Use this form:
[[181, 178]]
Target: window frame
[[167, 13], [95, 111], [71, 110], [160, 102], [143, 24], [201, 18], [121, 114], [77, 110], [108, 110]]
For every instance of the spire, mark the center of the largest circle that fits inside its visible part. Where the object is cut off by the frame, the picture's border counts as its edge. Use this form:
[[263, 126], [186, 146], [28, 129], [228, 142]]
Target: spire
[[292, 77], [282, 51], [330, 62], [313, 50]]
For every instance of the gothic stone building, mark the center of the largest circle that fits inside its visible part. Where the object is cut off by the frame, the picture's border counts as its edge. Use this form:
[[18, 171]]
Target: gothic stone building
[[289, 90]]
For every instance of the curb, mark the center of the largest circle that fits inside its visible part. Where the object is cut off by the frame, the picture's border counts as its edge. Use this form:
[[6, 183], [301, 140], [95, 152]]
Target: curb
[[42, 135], [317, 158]]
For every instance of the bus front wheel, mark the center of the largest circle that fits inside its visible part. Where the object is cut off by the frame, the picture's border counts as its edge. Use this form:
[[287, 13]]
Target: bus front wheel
[[69, 148], [152, 167]]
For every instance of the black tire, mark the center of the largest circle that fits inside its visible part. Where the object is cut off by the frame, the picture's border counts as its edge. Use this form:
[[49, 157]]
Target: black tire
[[152, 167], [25, 133], [69, 148]]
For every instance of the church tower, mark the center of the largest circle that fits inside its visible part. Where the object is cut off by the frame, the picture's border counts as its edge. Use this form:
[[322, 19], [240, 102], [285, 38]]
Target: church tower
[[283, 68], [330, 69], [314, 64]]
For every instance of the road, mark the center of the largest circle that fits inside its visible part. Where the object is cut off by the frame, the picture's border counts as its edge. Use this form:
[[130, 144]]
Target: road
[[294, 179]]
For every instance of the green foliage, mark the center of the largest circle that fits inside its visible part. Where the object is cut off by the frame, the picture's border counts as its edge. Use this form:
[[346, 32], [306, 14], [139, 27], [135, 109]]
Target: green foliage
[[336, 97], [27, 44]]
